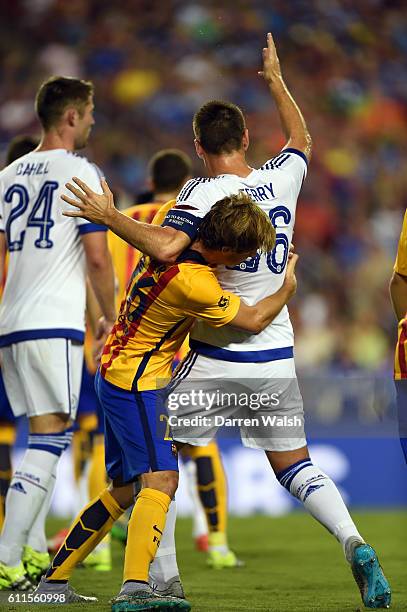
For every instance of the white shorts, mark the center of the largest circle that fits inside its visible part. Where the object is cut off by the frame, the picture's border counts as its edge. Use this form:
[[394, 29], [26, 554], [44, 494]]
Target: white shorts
[[262, 399], [43, 376]]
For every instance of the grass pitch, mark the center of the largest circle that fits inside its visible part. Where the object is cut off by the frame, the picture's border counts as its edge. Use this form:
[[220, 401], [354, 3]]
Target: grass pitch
[[292, 564]]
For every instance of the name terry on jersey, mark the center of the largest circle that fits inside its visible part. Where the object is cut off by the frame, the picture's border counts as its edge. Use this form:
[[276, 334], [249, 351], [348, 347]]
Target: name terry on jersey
[[260, 194]]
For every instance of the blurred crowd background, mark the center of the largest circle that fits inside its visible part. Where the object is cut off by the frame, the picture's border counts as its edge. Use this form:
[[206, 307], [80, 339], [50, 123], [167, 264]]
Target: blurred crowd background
[[155, 62]]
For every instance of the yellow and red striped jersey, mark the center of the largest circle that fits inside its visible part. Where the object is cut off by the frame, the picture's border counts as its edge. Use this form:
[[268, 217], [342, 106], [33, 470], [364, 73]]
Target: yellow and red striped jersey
[[160, 306], [400, 266], [124, 256]]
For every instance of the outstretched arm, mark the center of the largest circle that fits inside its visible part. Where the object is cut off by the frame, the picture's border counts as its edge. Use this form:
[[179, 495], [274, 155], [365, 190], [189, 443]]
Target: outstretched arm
[[161, 243], [291, 118]]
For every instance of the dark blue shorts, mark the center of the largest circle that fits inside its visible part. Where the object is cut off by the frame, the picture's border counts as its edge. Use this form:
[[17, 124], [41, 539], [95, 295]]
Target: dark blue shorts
[[6, 414], [88, 401], [136, 431]]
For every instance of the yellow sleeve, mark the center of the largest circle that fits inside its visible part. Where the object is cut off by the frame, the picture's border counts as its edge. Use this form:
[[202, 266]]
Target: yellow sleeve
[[161, 214], [205, 299], [400, 265]]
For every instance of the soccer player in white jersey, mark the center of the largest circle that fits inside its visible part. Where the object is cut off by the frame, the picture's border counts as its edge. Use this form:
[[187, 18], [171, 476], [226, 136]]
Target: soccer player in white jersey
[[262, 363], [42, 310]]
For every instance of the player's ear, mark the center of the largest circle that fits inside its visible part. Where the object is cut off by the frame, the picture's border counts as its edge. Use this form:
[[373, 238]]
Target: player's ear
[[71, 116], [198, 148], [245, 139]]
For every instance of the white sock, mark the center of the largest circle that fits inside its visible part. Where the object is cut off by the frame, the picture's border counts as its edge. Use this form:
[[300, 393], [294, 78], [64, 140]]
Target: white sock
[[36, 537], [164, 566], [321, 498], [199, 522], [27, 492]]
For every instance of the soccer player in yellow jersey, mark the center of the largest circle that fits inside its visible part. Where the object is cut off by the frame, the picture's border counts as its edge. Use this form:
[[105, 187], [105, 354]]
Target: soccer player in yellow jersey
[[169, 170], [398, 294], [161, 303]]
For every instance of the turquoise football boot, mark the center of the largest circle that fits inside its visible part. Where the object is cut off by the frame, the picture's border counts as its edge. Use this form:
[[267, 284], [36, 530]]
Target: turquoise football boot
[[368, 574]]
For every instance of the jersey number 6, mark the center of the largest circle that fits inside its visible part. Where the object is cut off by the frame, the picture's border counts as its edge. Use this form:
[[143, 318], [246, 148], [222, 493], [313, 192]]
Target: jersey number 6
[[277, 258]]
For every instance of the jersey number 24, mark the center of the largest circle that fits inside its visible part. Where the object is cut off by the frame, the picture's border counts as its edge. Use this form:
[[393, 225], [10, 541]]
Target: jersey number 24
[[39, 217]]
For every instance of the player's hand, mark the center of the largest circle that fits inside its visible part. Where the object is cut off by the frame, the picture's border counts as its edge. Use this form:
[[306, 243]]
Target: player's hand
[[290, 280], [95, 207], [271, 65], [104, 327]]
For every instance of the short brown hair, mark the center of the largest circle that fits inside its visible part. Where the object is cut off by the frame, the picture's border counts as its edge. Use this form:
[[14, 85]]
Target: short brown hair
[[219, 127], [169, 170], [238, 223], [56, 94]]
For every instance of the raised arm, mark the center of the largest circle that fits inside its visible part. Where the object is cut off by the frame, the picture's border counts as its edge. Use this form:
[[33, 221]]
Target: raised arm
[[291, 118], [161, 243]]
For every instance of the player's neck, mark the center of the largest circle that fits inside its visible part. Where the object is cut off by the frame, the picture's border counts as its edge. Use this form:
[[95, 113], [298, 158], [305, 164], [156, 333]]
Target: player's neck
[[163, 198], [56, 139], [235, 163], [211, 257]]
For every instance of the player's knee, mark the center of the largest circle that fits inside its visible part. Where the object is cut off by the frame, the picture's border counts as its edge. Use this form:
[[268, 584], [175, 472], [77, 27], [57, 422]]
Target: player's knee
[[49, 423], [165, 481], [123, 494]]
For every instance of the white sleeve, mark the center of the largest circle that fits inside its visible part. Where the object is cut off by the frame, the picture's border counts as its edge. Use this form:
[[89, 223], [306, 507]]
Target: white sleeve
[[91, 175], [190, 208], [291, 161]]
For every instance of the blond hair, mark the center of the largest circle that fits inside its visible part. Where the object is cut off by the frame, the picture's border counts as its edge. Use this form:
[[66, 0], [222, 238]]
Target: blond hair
[[238, 223]]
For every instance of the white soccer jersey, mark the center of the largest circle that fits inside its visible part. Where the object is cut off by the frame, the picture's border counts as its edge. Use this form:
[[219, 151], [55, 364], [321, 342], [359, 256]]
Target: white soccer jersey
[[45, 290], [275, 188]]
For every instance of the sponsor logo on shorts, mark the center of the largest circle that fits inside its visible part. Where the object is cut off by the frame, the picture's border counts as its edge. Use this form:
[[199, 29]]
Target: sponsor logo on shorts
[[223, 302]]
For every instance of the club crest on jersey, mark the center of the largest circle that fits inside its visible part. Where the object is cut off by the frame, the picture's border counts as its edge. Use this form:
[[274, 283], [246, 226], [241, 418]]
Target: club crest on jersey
[[223, 302]]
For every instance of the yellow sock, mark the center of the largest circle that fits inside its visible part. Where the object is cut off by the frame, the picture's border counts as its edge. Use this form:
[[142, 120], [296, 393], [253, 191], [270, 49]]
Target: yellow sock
[[146, 526], [211, 485], [87, 530], [97, 471], [97, 477]]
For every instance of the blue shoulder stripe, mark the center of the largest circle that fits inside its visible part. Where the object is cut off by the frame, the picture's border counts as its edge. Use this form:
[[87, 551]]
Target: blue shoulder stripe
[[282, 157], [191, 185], [185, 189], [188, 191], [297, 152]]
